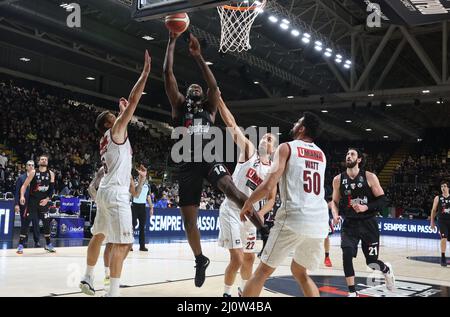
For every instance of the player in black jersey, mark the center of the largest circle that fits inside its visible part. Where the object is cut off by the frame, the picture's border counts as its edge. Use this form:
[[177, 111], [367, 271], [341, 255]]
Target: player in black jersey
[[42, 184], [197, 114], [358, 196], [441, 209]]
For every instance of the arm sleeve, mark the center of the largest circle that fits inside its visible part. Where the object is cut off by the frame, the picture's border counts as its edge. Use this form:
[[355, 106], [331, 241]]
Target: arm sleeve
[[51, 190], [378, 204]]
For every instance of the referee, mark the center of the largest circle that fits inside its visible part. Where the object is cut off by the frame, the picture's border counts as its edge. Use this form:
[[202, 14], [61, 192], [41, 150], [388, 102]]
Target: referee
[[138, 210]]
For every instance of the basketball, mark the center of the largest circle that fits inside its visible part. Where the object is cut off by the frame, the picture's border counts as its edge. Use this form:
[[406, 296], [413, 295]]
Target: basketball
[[177, 23]]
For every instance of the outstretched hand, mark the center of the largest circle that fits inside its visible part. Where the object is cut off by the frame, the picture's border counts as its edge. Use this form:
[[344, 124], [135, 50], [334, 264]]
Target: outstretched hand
[[174, 36], [123, 104], [194, 46], [142, 171], [147, 63]]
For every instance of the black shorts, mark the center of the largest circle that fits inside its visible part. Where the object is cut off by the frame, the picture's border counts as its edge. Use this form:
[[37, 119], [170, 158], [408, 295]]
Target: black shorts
[[34, 207], [364, 230], [444, 228], [190, 177]]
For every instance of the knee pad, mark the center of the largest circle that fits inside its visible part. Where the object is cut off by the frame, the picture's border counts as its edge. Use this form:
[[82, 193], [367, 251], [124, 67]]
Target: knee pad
[[347, 257]]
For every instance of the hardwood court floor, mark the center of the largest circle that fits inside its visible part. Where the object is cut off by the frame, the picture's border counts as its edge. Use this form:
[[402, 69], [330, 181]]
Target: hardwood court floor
[[168, 269]]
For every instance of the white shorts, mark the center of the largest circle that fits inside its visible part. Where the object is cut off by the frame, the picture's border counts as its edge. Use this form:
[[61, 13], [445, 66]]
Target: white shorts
[[308, 252], [235, 234], [114, 218]]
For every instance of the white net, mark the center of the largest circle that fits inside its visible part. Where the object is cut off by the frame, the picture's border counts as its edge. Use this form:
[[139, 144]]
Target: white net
[[236, 22]]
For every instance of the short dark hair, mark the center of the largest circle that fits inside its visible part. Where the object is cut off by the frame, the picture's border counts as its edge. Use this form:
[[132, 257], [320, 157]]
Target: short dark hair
[[311, 122], [101, 120], [360, 155], [445, 181]]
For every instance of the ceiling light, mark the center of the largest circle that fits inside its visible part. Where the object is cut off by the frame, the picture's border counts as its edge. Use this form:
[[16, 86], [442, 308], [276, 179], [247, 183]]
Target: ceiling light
[[284, 26], [324, 111], [426, 91], [148, 38], [273, 19], [285, 21], [290, 97], [371, 95], [256, 82], [385, 136], [90, 78], [348, 121], [25, 59], [368, 129], [295, 32], [209, 63]]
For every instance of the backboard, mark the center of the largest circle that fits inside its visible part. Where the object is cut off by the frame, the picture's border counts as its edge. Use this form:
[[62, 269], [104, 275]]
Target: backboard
[[144, 10]]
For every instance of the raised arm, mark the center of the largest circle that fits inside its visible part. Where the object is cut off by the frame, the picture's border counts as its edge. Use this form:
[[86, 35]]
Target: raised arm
[[213, 89], [176, 99], [128, 107], [136, 191], [245, 146], [24, 187]]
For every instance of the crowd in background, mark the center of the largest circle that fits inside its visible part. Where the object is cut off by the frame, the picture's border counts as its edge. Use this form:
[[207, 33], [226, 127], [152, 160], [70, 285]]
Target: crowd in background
[[34, 122]]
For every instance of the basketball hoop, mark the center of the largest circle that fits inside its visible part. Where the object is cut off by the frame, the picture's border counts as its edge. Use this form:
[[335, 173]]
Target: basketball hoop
[[236, 22]]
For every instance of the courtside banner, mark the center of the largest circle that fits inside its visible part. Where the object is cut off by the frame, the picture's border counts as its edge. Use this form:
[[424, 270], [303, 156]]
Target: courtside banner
[[403, 228], [168, 223], [69, 204], [6, 219], [412, 12]]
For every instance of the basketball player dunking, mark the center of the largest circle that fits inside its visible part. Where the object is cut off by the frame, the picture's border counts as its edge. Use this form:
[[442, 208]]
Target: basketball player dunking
[[358, 196], [237, 236], [42, 185], [114, 220], [197, 114], [441, 208], [301, 223]]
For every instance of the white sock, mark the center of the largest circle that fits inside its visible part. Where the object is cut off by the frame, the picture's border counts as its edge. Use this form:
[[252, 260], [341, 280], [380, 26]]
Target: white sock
[[114, 288], [89, 271], [243, 282], [106, 271], [227, 289]]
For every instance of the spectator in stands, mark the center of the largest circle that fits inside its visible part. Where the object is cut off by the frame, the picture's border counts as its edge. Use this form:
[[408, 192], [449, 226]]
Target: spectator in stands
[[162, 203], [3, 160]]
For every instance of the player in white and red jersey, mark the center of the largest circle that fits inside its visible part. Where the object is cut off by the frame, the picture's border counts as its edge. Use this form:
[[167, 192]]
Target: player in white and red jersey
[[301, 223], [114, 220], [237, 236]]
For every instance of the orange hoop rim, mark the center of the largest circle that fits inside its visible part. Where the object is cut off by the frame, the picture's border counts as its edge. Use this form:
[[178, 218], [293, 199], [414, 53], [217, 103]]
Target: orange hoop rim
[[253, 7]]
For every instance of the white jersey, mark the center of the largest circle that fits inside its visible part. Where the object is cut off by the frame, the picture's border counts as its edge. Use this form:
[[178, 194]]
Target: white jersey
[[116, 160], [304, 209], [247, 176]]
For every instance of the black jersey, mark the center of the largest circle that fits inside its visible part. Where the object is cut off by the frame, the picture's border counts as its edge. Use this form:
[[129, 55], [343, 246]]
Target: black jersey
[[444, 208], [40, 185], [352, 191], [198, 123]]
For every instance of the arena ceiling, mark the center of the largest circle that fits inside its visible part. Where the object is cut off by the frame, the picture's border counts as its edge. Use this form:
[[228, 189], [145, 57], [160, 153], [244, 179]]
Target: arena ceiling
[[394, 63]]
